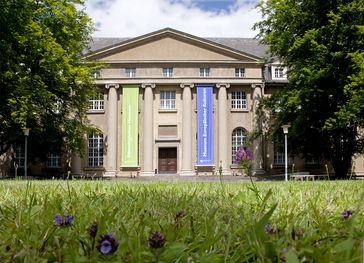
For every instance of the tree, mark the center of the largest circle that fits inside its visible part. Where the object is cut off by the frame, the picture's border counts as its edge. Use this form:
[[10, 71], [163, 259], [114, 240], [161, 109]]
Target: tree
[[44, 83], [321, 43]]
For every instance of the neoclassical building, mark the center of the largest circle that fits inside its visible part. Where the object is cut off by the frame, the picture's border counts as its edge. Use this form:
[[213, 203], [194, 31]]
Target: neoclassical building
[[171, 102], [174, 103]]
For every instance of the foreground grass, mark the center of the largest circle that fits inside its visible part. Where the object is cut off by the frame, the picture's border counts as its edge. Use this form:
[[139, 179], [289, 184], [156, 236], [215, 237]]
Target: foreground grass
[[197, 222]]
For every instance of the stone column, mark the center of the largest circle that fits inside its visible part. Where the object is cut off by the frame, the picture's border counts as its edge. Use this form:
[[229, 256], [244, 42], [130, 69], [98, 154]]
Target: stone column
[[76, 164], [112, 130], [148, 130], [257, 126], [186, 169], [223, 131]]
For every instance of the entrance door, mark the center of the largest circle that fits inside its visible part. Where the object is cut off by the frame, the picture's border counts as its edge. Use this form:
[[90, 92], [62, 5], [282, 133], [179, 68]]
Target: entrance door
[[167, 160]]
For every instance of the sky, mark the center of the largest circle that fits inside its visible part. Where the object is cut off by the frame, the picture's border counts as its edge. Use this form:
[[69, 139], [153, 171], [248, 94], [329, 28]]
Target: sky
[[203, 18]]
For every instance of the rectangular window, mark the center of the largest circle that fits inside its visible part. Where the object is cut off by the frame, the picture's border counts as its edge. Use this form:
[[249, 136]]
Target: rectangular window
[[130, 72], [168, 99], [97, 102], [204, 72], [238, 100], [239, 72], [167, 72], [279, 158], [279, 72], [53, 160], [95, 150], [20, 156]]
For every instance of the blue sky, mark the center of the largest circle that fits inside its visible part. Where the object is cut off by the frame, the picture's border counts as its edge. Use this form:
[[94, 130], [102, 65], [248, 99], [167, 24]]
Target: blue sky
[[205, 18]]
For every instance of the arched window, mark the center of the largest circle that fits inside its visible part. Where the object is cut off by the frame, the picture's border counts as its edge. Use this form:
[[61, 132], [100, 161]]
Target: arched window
[[238, 139]]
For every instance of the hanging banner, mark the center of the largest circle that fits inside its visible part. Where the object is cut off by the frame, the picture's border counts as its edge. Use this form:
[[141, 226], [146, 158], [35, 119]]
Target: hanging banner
[[205, 126], [129, 146]]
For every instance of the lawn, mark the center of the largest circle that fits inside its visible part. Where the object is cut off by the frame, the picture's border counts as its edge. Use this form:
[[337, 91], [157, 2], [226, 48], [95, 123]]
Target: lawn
[[113, 221]]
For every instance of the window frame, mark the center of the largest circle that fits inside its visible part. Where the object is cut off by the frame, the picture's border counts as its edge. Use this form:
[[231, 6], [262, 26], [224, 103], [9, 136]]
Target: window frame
[[239, 72], [167, 101], [20, 156], [237, 141], [239, 100], [278, 156], [95, 150], [282, 75], [130, 72], [97, 102], [205, 72], [167, 72], [53, 160]]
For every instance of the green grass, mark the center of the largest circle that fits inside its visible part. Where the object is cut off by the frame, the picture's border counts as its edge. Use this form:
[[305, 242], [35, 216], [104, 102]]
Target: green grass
[[201, 222]]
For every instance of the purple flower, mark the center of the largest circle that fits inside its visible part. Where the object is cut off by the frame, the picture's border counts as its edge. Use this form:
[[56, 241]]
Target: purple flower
[[346, 214], [243, 154], [156, 240], [107, 244], [68, 219], [267, 228], [63, 221], [58, 219]]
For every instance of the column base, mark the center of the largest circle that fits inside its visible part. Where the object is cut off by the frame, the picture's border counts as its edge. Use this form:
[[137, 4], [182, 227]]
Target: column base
[[225, 172], [187, 173], [147, 174], [109, 174]]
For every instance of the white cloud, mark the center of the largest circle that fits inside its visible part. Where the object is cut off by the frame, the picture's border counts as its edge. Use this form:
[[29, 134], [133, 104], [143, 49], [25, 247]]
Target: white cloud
[[131, 18]]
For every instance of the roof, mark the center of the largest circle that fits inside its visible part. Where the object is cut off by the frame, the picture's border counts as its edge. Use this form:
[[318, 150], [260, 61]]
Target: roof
[[245, 45]]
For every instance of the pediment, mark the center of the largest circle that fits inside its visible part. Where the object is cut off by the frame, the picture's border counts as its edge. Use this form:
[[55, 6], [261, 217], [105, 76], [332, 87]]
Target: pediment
[[169, 45]]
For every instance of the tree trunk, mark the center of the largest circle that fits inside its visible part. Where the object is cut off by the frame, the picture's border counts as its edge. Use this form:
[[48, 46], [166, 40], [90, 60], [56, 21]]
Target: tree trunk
[[342, 152]]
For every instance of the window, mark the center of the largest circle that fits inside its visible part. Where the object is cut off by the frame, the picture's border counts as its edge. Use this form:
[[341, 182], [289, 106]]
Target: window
[[20, 156], [97, 102], [279, 158], [167, 72], [279, 72], [130, 72], [53, 160], [95, 150], [238, 100], [168, 99], [238, 140], [204, 72], [239, 72]]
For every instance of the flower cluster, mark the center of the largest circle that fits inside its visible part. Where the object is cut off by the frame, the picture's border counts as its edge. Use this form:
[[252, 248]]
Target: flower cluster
[[244, 157], [63, 220], [156, 240]]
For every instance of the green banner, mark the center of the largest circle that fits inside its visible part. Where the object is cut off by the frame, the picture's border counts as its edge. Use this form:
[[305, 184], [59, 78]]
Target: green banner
[[129, 154]]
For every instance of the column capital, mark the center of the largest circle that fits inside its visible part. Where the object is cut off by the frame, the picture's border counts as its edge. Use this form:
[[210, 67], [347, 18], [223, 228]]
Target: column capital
[[222, 85], [108, 86], [258, 85], [148, 85], [186, 85]]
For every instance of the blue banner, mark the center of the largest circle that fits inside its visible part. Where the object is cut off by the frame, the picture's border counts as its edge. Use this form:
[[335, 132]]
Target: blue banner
[[205, 126]]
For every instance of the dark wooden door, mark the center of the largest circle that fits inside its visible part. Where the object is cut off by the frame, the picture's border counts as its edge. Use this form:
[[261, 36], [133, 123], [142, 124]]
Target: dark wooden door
[[167, 160]]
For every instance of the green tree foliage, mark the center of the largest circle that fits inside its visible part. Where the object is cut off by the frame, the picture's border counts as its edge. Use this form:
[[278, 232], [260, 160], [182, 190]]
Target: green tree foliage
[[44, 84], [321, 42]]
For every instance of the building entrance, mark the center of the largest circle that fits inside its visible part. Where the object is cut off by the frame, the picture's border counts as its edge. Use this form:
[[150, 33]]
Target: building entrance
[[167, 160]]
